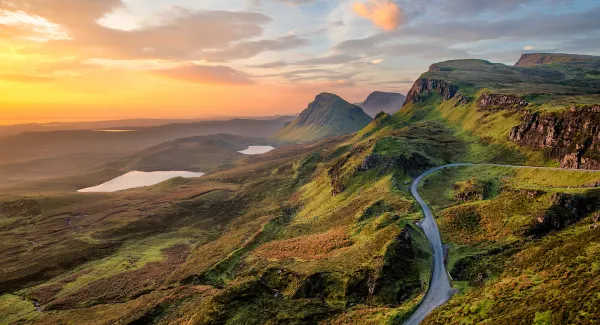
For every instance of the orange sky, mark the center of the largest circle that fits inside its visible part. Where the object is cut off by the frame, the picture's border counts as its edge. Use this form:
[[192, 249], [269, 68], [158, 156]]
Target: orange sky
[[57, 62], [41, 87], [69, 60]]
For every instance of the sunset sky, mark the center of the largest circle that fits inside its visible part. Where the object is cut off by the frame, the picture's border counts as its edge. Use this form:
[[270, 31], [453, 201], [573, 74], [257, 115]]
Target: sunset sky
[[106, 59]]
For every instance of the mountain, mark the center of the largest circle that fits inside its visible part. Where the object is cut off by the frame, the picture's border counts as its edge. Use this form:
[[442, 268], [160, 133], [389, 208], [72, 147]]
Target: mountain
[[533, 59], [328, 232], [379, 101], [553, 106], [327, 116]]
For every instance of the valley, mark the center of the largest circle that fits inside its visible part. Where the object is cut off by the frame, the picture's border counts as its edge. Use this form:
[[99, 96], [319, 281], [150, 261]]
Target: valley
[[475, 203]]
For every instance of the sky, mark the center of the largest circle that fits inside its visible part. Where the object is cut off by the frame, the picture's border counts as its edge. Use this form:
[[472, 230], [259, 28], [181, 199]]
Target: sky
[[70, 60]]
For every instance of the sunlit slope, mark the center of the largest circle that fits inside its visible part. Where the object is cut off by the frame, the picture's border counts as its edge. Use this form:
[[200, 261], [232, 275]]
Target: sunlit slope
[[523, 244], [548, 113]]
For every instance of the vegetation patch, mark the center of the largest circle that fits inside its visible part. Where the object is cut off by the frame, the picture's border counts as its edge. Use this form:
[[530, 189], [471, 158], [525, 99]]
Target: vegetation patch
[[15, 310], [306, 247]]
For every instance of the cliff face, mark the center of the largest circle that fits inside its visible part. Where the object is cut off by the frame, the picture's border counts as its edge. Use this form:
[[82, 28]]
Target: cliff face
[[572, 136], [425, 87], [496, 102]]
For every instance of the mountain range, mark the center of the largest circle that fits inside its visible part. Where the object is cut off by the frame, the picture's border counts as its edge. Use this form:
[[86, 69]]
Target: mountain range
[[325, 229]]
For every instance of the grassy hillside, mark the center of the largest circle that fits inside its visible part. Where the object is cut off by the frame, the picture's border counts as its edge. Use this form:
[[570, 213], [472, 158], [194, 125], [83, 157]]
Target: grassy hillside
[[522, 245], [326, 232], [204, 154]]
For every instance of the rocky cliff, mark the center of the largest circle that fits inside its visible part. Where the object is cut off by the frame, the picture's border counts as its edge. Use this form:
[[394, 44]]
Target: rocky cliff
[[497, 102], [571, 136], [423, 88]]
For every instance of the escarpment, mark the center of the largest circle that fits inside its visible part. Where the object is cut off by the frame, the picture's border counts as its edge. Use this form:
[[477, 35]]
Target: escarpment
[[571, 136], [498, 102], [425, 87]]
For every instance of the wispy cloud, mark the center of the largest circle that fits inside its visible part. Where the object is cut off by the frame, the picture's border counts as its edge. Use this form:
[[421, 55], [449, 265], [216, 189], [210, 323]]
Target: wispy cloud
[[206, 74]]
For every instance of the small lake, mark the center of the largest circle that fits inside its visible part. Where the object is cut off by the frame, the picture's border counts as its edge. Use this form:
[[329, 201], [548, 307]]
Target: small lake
[[257, 150], [137, 179]]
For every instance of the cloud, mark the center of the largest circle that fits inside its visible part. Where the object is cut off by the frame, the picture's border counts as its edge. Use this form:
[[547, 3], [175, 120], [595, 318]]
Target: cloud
[[176, 34], [377, 61], [341, 83], [529, 48], [24, 78], [331, 59], [541, 26], [206, 74], [368, 45], [425, 50], [297, 2], [248, 49], [21, 25], [384, 14], [271, 65], [475, 7]]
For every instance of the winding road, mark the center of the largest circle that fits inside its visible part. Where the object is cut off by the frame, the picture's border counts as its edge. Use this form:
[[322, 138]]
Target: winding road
[[440, 290]]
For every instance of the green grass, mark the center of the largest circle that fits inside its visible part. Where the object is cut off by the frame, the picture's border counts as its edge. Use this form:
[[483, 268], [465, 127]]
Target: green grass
[[131, 256], [14, 309], [505, 277]]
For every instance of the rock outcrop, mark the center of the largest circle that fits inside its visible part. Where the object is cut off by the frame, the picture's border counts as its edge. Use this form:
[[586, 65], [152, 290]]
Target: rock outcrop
[[566, 210], [423, 88], [571, 136], [499, 102], [412, 165]]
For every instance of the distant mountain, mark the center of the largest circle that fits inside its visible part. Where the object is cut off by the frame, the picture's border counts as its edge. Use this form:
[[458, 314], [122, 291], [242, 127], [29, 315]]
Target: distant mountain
[[380, 101], [9, 130], [39, 154], [327, 116], [533, 59]]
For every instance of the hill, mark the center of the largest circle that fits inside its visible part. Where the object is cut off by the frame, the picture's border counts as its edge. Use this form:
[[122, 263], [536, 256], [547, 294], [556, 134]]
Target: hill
[[379, 101], [533, 59], [33, 155], [327, 232], [203, 154], [327, 116], [514, 235]]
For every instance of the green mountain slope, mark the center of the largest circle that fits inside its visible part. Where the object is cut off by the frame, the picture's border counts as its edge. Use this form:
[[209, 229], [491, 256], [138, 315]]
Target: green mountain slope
[[533, 59], [327, 116], [327, 232], [522, 243]]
